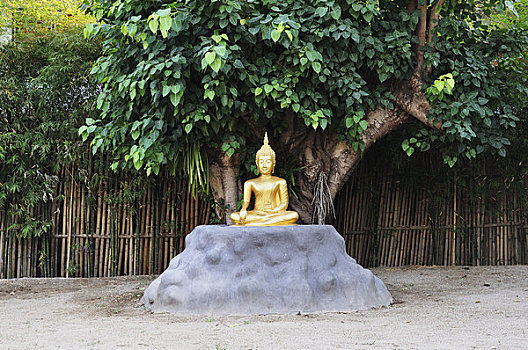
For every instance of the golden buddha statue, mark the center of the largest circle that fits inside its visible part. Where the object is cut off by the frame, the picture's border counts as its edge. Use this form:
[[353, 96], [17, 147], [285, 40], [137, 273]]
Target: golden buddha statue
[[271, 195]]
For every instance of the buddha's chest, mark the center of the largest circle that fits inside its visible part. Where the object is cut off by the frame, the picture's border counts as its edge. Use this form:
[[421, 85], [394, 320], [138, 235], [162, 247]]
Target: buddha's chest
[[266, 188]]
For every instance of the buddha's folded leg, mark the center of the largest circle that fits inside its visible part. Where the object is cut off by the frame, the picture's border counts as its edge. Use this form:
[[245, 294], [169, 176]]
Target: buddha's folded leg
[[291, 215], [235, 217]]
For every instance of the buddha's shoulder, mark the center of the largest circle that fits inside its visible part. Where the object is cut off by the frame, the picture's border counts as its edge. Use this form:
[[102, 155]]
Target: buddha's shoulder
[[273, 179], [278, 179]]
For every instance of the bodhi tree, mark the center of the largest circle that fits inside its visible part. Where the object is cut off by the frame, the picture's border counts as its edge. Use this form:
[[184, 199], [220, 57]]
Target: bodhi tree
[[194, 84]]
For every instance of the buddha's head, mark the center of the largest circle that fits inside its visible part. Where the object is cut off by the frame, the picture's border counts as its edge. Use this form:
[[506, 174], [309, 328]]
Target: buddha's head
[[265, 158]]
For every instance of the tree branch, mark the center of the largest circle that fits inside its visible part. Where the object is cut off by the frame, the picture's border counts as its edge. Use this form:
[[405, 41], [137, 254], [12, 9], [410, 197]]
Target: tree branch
[[411, 6], [433, 19], [433, 22], [421, 31], [257, 131], [410, 98]]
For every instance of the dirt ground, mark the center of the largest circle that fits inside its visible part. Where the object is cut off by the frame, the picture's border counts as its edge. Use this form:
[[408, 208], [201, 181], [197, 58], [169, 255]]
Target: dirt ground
[[435, 308]]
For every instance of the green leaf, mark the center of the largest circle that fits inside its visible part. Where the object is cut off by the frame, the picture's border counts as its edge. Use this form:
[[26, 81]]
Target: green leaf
[[268, 88], [363, 124], [217, 63], [153, 25], [275, 35], [405, 145], [210, 94], [321, 11], [336, 12], [439, 85], [166, 90], [303, 61], [175, 99], [316, 67], [357, 118], [438, 9], [210, 57], [224, 99], [188, 128], [258, 91], [349, 122], [138, 163], [220, 50], [165, 23], [296, 107]]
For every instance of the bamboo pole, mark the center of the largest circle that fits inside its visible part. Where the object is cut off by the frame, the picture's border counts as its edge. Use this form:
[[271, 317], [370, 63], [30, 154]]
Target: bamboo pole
[[130, 241], [98, 224], [9, 254], [127, 254], [409, 237], [166, 229], [102, 241], [121, 266], [80, 230], [109, 228], [380, 223], [69, 210], [453, 242], [141, 232], [148, 232], [181, 202], [17, 256], [172, 229], [390, 221], [2, 242]]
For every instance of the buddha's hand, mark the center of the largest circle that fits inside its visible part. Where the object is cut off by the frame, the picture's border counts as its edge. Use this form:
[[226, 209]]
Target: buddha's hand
[[243, 215]]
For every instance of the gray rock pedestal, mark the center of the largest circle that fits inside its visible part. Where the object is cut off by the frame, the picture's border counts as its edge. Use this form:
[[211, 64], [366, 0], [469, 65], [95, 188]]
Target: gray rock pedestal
[[260, 270]]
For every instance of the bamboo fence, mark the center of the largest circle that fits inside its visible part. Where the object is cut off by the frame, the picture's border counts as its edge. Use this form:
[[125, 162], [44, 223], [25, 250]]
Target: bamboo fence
[[390, 222], [385, 221], [106, 237]]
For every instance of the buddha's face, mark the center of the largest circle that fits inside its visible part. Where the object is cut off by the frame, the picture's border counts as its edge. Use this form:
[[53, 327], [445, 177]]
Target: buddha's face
[[265, 165]]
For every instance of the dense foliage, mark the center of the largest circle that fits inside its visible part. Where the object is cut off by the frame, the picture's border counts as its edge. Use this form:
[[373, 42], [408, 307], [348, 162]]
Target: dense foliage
[[176, 73], [45, 94], [28, 19], [179, 72]]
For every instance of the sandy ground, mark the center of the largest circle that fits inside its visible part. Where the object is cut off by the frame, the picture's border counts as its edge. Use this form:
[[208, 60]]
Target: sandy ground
[[435, 308]]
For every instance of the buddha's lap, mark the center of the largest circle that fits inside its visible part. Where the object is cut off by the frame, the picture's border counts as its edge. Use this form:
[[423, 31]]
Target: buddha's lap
[[254, 215]]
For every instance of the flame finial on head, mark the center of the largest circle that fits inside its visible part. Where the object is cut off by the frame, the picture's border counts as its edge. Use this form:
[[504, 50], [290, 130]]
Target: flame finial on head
[[266, 150]]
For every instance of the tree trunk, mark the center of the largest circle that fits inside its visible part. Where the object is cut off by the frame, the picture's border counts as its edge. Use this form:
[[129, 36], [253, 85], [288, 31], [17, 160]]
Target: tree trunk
[[320, 152], [225, 184]]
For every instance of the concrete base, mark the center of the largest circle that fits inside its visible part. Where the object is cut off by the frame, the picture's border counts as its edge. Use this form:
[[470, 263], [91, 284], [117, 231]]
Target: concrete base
[[260, 270]]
